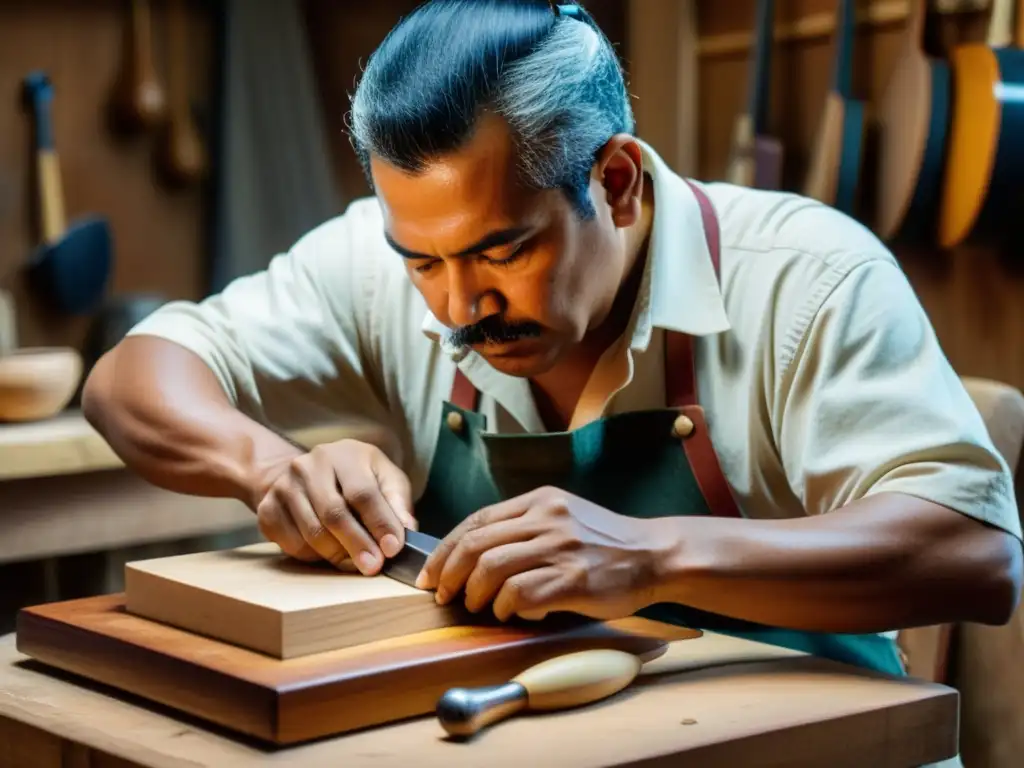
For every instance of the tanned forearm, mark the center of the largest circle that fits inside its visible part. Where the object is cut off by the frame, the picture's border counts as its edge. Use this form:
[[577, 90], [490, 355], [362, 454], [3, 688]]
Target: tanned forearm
[[886, 562], [164, 413]]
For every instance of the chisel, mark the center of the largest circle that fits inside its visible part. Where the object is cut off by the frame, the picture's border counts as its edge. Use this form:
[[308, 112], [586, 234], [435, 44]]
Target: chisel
[[406, 565], [562, 682]]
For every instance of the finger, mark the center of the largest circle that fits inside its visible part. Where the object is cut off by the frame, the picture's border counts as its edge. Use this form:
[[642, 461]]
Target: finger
[[343, 525], [528, 594], [362, 494], [312, 529], [506, 510], [330, 509], [496, 566], [469, 548], [395, 487], [276, 525]]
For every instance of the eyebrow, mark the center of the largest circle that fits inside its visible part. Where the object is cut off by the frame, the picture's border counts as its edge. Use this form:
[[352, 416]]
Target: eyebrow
[[494, 239]]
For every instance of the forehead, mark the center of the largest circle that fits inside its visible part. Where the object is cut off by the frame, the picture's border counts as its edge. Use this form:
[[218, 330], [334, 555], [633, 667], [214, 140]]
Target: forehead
[[456, 199]]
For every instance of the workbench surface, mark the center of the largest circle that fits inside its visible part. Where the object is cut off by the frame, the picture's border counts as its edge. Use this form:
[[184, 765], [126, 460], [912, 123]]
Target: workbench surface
[[67, 444], [714, 700]]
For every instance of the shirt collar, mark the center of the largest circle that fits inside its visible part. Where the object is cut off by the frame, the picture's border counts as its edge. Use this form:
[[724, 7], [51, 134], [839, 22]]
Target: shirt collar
[[679, 289]]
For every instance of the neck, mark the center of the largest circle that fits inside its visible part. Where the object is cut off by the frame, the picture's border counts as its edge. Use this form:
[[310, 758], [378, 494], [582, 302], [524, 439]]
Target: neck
[[558, 390]]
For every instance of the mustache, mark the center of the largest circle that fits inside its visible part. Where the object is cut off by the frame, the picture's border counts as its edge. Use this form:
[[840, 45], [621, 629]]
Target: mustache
[[493, 329]]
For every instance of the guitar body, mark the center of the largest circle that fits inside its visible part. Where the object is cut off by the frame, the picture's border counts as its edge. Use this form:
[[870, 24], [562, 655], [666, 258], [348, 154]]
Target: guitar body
[[835, 169], [851, 158], [913, 120], [982, 199]]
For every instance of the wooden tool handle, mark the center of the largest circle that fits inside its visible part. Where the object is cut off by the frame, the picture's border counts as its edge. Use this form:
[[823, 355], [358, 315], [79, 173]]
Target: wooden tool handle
[[39, 95], [184, 156], [559, 683], [8, 324], [1000, 25]]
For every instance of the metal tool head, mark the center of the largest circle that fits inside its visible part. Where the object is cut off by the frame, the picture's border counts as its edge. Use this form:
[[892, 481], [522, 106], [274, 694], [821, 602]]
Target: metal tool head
[[74, 272], [407, 564]]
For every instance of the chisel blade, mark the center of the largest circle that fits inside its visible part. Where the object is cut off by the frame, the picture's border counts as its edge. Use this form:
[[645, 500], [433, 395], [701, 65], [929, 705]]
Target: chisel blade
[[406, 565]]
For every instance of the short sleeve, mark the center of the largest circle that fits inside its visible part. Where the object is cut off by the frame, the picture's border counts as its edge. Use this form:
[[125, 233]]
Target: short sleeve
[[870, 404], [288, 343]]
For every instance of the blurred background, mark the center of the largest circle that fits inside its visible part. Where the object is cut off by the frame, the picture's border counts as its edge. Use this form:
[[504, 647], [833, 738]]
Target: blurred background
[[155, 149], [209, 133]]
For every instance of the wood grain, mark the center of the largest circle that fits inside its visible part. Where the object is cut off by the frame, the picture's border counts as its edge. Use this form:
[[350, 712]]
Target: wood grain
[[288, 701], [258, 598], [712, 700]]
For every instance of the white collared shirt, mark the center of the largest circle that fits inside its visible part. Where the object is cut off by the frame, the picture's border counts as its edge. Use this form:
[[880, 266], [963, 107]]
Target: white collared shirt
[[820, 374]]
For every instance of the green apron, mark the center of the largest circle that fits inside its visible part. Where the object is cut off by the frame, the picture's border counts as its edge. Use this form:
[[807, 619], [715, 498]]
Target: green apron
[[641, 464]]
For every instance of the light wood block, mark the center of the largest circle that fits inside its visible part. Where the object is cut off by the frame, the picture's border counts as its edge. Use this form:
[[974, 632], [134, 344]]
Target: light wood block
[[258, 598]]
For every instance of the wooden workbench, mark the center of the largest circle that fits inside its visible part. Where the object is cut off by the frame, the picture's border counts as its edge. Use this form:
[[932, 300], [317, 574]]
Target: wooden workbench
[[713, 701], [63, 490]]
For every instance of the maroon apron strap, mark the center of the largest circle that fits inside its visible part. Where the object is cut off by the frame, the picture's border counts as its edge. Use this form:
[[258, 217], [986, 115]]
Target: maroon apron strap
[[680, 367], [681, 389], [464, 394]]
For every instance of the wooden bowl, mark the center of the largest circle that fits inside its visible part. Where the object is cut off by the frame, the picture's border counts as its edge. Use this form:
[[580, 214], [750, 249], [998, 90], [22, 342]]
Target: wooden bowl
[[38, 382]]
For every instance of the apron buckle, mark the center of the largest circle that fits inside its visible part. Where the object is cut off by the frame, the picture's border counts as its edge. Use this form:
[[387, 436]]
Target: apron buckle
[[682, 427]]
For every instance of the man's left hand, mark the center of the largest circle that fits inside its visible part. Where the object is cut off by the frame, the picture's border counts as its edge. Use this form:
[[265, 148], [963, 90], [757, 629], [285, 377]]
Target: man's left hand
[[546, 551]]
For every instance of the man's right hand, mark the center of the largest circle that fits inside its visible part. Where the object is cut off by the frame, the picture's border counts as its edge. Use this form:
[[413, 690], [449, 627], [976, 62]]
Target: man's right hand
[[338, 501]]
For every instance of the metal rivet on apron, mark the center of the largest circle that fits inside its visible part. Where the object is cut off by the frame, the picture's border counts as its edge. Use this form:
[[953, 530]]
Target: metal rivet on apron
[[682, 427], [455, 421]]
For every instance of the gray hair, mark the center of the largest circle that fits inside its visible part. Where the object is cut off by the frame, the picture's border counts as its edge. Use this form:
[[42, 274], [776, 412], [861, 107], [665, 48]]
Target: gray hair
[[556, 81]]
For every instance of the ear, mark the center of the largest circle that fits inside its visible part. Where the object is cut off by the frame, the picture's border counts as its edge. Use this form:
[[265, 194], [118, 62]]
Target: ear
[[620, 169]]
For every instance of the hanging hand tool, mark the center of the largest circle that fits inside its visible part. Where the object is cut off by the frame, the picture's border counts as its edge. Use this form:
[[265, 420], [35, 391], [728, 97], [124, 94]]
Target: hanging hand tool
[[182, 154], [72, 266], [139, 101]]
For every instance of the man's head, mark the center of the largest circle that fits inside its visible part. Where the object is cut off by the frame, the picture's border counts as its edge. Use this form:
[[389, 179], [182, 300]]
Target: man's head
[[497, 135]]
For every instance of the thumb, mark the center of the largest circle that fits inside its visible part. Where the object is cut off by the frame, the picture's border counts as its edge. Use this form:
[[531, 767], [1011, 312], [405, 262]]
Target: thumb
[[395, 488]]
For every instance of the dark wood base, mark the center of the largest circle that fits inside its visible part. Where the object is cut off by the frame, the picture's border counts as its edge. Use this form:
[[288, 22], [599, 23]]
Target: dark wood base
[[295, 700]]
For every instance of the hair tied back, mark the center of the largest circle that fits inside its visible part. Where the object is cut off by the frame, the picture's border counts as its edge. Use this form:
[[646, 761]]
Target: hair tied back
[[569, 11]]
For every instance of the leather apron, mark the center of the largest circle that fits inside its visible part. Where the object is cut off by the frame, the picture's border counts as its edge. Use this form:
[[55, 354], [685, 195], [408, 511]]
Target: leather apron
[[650, 463]]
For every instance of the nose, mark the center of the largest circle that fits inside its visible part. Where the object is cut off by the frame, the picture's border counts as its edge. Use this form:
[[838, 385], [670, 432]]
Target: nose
[[468, 300]]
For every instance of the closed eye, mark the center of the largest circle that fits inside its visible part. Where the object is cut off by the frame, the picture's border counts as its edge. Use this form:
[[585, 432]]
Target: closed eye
[[424, 268], [517, 252]]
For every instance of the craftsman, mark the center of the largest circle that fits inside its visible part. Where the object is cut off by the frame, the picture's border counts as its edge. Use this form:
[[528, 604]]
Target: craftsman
[[610, 389]]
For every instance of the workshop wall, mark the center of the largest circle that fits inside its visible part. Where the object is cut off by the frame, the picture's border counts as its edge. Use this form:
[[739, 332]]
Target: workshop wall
[[975, 296], [159, 229]]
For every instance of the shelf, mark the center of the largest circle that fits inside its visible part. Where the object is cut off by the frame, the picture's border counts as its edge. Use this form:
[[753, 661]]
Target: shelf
[[880, 13]]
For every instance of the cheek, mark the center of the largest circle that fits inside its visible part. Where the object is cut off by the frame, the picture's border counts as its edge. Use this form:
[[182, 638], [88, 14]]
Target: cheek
[[580, 274]]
